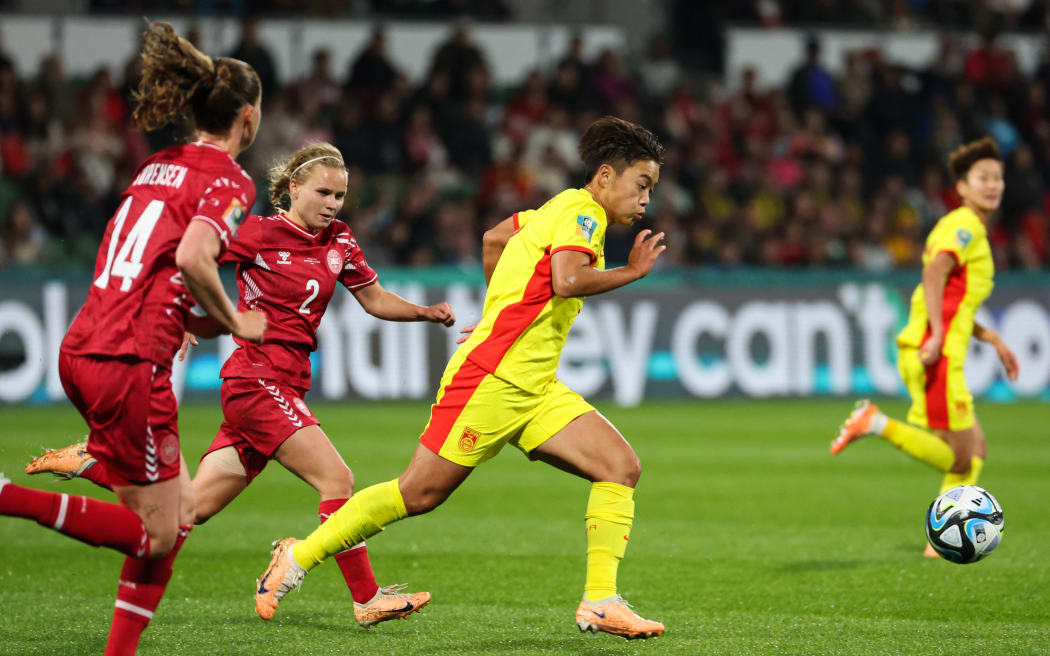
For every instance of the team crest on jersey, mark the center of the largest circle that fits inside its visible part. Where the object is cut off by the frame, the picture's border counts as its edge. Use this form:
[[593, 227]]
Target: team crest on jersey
[[283, 257], [299, 403], [169, 449], [468, 440], [585, 226], [963, 237], [335, 261]]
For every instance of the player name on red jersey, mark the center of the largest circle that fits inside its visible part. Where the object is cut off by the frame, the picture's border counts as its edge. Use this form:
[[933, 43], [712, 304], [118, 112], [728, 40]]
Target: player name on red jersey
[[161, 173]]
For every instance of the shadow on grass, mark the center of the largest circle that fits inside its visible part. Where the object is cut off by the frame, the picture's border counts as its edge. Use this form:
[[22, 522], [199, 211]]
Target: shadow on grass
[[803, 566]]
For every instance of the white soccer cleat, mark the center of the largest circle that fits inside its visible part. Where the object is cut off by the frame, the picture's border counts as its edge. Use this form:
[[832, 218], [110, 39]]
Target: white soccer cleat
[[4, 480], [281, 577]]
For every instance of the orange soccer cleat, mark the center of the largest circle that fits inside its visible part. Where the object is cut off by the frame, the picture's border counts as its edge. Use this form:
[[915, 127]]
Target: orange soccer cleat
[[390, 604], [281, 576], [67, 462], [857, 425], [614, 615]]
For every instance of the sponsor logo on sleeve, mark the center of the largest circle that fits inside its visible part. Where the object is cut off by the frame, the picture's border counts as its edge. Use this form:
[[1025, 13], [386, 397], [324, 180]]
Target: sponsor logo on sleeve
[[585, 226], [963, 237]]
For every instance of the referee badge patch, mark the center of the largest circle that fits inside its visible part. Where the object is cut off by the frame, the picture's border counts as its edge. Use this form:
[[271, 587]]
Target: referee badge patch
[[468, 440], [585, 226], [963, 237]]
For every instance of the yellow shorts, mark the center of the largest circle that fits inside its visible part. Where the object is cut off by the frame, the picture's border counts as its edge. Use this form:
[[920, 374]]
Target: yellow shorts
[[477, 413], [939, 396]]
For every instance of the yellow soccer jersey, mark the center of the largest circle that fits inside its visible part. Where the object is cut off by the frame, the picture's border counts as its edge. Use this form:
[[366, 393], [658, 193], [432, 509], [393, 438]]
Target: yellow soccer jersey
[[962, 234], [524, 324]]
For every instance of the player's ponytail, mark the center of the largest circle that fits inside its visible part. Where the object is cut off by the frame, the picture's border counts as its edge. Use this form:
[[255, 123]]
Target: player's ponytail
[[178, 80], [298, 167]]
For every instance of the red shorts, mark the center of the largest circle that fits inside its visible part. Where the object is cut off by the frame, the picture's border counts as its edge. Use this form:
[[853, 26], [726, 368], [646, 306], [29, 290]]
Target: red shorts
[[131, 409], [258, 416]]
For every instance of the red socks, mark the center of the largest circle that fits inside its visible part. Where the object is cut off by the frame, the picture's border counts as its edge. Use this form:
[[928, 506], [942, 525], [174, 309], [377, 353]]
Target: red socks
[[97, 474], [353, 563], [94, 522], [142, 584]]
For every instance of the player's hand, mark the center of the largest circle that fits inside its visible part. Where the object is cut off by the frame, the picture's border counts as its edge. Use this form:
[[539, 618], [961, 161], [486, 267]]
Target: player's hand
[[1009, 360], [250, 326], [646, 250], [441, 313], [466, 333], [930, 352], [187, 340]]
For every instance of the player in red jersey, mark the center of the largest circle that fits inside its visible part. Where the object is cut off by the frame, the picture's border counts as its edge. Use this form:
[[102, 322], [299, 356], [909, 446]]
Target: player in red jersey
[[162, 245], [287, 267]]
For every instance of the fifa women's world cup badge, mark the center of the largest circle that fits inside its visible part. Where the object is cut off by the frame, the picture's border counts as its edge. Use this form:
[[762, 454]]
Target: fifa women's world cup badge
[[469, 440]]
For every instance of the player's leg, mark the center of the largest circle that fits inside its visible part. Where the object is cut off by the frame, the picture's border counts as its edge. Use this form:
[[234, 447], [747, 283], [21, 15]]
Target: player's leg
[[570, 435], [927, 391], [144, 580], [102, 390], [310, 455], [220, 477]]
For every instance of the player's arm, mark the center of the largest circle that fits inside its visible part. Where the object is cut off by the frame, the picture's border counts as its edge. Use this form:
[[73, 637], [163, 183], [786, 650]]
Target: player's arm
[[492, 244], [1006, 356], [572, 273], [197, 258], [934, 278], [387, 305]]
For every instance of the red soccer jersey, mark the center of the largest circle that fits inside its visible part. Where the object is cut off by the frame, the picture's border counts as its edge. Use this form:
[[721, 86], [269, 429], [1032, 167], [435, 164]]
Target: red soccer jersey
[[289, 274], [137, 304]]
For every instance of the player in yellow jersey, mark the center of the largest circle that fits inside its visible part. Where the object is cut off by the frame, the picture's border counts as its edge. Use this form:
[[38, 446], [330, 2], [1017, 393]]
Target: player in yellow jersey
[[942, 430], [501, 387]]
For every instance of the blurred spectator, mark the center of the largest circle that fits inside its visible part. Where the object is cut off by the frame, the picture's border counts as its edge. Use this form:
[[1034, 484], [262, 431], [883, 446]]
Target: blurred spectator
[[658, 71], [457, 57], [811, 84], [251, 50], [372, 72]]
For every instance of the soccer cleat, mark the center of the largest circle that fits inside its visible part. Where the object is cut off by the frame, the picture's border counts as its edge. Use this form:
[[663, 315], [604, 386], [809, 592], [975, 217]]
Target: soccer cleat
[[614, 615], [281, 576], [857, 425], [390, 603], [930, 552], [68, 462]]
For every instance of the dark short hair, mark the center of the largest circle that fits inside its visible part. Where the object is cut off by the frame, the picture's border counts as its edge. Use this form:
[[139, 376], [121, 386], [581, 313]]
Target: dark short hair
[[618, 143], [965, 156]]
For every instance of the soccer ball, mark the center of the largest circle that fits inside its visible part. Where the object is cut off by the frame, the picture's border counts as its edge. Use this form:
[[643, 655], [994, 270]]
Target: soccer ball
[[964, 524]]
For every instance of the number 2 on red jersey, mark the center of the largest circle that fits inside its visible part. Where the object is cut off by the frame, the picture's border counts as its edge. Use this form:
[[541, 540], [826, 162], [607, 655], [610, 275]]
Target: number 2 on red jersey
[[128, 262]]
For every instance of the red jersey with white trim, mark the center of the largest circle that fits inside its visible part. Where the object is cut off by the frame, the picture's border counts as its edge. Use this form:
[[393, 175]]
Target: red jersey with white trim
[[137, 303], [289, 274]]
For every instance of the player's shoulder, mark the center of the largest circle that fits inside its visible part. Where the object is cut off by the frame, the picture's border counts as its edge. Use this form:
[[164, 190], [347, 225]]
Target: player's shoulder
[[212, 162], [962, 217], [575, 202]]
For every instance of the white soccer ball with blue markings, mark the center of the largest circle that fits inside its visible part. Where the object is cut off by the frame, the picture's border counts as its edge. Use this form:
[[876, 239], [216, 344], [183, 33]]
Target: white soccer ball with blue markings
[[965, 524]]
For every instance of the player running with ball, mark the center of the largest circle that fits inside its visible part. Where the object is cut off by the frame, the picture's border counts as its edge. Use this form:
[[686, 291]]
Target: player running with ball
[[942, 430], [500, 386], [288, 266]]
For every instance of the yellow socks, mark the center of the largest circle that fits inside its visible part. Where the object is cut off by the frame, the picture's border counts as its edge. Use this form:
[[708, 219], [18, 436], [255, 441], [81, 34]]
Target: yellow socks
[[919, 444], [362, 516], [610, 514], [968, 477]]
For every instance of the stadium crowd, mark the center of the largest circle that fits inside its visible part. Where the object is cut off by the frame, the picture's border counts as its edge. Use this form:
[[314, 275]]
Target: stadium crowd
[[826, 171]]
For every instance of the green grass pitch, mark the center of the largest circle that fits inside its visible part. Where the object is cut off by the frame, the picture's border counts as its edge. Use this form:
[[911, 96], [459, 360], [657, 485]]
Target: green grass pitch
[[749, 538]]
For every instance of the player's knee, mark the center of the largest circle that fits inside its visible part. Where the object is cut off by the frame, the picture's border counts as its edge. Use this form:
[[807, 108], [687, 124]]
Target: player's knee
[[963, 458], [630, 471], [418, 502], [337, 484], [162, 542]]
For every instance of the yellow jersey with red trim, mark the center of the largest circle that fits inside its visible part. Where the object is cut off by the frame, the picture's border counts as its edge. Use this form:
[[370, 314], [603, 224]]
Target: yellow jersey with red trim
[[524, 325], [962, 234]]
